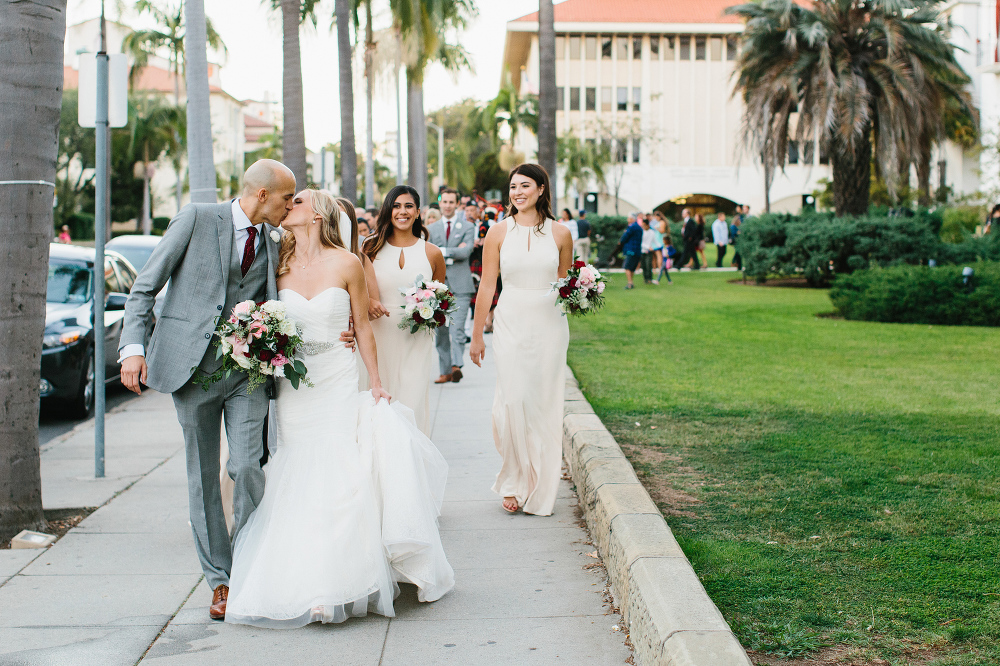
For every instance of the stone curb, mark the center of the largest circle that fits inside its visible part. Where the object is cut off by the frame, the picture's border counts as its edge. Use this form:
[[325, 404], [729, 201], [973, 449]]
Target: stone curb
[[671, 619]]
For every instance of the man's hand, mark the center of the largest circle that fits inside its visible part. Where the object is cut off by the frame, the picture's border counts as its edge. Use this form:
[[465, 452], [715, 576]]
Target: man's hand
[[347, 337], [133, 372]]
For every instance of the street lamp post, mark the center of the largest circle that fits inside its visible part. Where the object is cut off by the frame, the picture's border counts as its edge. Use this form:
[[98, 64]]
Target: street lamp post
[[440, 131]]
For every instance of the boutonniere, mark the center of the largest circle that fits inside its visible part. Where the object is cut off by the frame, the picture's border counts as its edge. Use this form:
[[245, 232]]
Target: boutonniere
[[275, 236], [458, 225]]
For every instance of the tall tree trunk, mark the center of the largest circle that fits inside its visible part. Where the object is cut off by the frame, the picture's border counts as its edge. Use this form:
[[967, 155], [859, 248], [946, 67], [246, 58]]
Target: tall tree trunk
[[416, 133], [293, 151], [31, 50], [547, 93], [179, 184], [147, 208], [348, 151], [369, 94], [201, 162], [852, 175], [924, 172]]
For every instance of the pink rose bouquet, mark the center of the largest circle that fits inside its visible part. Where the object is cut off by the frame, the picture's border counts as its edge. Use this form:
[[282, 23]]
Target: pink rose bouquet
[[580, 292], [260, 340], [428, 305]]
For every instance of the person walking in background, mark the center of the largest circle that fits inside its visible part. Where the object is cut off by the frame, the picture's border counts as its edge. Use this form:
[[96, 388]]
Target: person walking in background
[[476, 263], [646, 249], [656, 248], [566, 219], [720, 236], [700, 237], [531, 252], [64, 236], [631, 244], [689, 236], [668, 251], [582, 245], [433, 215], [734, 234], [992, 219], [457, 239]]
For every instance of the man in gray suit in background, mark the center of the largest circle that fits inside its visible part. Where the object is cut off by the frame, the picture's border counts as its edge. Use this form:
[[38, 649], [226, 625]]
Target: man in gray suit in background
[[457, 238], [215, 256]]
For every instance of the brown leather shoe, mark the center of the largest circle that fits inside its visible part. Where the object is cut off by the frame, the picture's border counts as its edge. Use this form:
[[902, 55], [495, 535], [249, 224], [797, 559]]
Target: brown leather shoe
[[217, 611], [443, 379], [456, 374]]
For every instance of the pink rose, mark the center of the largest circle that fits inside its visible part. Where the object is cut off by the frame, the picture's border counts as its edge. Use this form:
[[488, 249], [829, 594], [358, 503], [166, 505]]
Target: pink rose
[[243, 309], [600, 287], [232, 319], [258, 328], [279, 360]]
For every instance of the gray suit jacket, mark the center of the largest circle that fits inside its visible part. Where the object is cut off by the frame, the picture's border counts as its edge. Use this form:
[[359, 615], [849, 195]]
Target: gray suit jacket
[[459, 274], [195, 255]]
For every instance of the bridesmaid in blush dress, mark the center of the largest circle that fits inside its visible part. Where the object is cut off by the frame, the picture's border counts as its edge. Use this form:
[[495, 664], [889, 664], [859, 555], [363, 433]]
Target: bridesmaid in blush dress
[[530, 336], [399, 254]]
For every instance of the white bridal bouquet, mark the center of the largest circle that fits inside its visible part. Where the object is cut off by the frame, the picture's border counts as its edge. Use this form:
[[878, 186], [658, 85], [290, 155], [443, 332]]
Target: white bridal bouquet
[[428, 305], [580, 292], [260, 340]]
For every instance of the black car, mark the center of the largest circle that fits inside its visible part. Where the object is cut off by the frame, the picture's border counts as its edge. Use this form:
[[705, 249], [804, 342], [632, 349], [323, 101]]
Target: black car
[[68, 346], [137, 249]]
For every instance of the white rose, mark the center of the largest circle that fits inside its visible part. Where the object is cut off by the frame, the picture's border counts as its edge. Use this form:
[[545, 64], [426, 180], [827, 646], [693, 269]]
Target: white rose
[[275, 236], [287, 327], [273, 307], [265, 368], [426, 312], [242, 361]]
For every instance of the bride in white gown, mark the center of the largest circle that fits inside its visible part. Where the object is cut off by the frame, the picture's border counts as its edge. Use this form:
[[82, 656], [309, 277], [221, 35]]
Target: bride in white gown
[[354, 490]]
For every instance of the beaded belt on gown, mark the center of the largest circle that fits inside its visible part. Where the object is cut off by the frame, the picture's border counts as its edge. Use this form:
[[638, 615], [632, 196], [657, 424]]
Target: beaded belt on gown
[[313, 347]]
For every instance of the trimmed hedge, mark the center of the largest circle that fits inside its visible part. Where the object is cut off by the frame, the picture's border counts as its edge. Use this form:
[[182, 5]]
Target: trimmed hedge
[[605, 230], [921, 295]]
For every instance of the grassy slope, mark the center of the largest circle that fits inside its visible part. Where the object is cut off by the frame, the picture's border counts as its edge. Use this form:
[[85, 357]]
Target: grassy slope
[[819, 473]]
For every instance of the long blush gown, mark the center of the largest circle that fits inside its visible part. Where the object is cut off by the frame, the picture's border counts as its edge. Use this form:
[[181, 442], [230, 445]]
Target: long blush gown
[[352, 497], [530, 338], [404, 358]]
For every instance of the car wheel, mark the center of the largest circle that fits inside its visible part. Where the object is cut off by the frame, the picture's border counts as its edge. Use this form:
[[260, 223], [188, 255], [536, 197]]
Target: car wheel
[[81, 406]]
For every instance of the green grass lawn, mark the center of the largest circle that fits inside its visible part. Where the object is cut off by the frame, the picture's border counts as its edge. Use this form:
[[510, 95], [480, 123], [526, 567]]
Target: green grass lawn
[[834, 483]]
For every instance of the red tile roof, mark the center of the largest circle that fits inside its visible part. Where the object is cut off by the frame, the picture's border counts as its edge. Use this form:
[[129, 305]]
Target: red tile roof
[[640, 11], [71, 78]]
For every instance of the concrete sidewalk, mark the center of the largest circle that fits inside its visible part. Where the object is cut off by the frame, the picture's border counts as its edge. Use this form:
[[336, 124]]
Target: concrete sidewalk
[[125, 586]]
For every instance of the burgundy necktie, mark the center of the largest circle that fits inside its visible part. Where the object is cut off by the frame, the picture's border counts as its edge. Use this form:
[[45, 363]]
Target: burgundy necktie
[[447, 232], [248, 253]]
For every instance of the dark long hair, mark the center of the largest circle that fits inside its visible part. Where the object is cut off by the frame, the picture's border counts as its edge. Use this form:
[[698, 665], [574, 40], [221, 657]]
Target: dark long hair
[[383, 225], [544, 204]]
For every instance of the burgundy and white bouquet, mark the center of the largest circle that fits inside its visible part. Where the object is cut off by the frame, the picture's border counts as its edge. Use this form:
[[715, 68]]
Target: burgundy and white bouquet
[[429, 305], [580, 292], [260, 340]]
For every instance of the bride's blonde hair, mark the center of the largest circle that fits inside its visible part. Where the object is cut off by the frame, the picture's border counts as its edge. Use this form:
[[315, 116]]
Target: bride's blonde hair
[[325, 206]]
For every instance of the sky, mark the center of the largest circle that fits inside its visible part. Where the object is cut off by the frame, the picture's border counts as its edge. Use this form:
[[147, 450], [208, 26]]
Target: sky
[[252, 34]]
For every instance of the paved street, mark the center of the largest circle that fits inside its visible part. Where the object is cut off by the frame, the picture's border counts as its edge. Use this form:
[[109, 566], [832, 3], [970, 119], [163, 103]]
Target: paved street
[[125, 585]]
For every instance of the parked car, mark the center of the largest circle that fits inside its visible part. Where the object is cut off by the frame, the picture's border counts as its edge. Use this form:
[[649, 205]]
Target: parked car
[[137, 248], [68, 375]]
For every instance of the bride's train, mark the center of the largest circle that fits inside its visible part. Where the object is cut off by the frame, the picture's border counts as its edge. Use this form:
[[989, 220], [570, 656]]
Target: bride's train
[[350, 510]]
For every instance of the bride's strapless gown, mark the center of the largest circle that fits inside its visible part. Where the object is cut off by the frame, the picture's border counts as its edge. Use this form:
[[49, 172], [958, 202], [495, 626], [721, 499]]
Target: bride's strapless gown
[[352, 497]]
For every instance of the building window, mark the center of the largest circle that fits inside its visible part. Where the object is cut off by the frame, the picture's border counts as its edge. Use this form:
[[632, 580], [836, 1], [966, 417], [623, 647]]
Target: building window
[[637, 48], [793, 152], [685, 48], [730, 48], [606, 98], [716, 48], [574, 47], [591, 99], [824, 157], [699, 48], [560, 98], [560, 47], [654, 46], [622, 47], [621, 151], [574, 99], [606, 47], [623, 99], [591, 47], [635, 149], [668, 47], [636, 98]]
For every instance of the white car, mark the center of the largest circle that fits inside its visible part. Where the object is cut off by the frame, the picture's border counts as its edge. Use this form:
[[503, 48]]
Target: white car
[[136, 249]]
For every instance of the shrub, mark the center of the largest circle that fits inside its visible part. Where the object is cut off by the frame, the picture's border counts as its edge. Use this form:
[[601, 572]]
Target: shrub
[[818, 246], [605, 230], [160, 225], [960, 222], [921, 295]]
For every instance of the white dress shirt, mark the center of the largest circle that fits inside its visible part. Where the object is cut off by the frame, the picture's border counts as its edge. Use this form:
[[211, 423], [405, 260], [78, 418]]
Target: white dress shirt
[[453, 220], [240, 224], [720, 232]]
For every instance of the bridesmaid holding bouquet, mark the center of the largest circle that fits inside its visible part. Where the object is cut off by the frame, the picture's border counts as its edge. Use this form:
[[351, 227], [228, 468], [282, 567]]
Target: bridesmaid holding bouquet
[[530, 337]]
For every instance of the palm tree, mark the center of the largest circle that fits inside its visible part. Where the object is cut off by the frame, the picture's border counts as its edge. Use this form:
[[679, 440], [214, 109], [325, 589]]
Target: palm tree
[[854, 72], [582, 162], [511, 109], [201, 163], [169, 34], [348, 151], [154, 127], [424, 26], [547, 90], [31, 48]]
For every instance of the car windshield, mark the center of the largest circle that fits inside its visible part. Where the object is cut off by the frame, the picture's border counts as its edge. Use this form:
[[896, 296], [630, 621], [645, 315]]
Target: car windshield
[[69, 282], [137, 256]]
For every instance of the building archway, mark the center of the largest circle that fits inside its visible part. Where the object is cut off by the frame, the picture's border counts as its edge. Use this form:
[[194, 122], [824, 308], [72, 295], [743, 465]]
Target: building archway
[[707, 204]]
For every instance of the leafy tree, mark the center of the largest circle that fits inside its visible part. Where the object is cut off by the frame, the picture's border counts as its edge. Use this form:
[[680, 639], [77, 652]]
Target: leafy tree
[[154, 129], [582, 162]]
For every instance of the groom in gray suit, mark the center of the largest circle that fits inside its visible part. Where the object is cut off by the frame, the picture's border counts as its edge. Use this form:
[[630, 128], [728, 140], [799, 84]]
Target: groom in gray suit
[[457, 238], [215, 256]]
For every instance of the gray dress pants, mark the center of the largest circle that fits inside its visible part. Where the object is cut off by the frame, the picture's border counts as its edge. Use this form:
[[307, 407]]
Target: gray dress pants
[[451, 339], [200, 414]]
